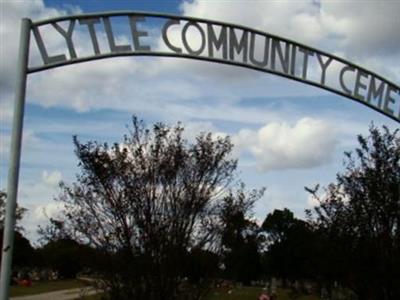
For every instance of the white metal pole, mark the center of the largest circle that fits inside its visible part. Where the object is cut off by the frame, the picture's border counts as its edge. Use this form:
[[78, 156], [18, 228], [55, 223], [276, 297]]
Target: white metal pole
[[14, 162]]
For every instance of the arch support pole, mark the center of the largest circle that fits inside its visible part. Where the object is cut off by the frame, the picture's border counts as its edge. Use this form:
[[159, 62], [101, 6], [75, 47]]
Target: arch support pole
[[14, 161]]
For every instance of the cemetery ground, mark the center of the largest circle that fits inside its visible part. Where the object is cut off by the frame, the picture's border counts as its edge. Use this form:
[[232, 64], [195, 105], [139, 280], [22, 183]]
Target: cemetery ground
[[237, 293], [244, 293], [39, 287]]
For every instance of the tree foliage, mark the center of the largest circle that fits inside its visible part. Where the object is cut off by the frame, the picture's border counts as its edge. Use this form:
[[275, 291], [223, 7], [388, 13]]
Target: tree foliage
[[359, 216], [65, 256], [241, 241], [24, 254], [290, 246], [20, 211], [278, 224], [148, 205]]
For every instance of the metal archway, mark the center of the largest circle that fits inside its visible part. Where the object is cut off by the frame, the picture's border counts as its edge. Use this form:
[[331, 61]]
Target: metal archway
[[219, 42]]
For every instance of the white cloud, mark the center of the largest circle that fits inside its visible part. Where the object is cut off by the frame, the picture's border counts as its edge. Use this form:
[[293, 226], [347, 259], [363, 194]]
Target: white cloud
[[370, 33], [270, 16], [39, 215], [193, 129], [42, 213], [129, 83], [11, 14], [40, 189], [324, 195], [278, 145], [51, 178], [372, 30], [35, 194], [312, 201]]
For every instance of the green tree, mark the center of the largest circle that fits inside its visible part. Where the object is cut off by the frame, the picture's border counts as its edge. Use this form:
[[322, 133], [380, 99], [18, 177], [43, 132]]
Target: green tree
[[146, 204], [241, 241], [290, 246], [278, 224], [360, 215], [24, 254], [19, 212], [65, 256]]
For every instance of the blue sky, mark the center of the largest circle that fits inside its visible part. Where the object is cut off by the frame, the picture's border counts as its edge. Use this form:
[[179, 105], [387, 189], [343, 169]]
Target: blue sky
[[287, 135]]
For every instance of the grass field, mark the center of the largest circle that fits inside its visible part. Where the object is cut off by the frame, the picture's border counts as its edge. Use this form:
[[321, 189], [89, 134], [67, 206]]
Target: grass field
[[252, 293], [45, 287], [246, 293]]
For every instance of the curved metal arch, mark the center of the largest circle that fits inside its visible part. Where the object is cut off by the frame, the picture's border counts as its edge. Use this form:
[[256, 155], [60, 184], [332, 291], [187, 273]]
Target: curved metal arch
[[186, 18], [335, 58], [187, 56]]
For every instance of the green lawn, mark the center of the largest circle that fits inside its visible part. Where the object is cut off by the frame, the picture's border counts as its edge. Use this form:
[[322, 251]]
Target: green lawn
[[246, 293], [93, 297], [45, 287], [252, 293]]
